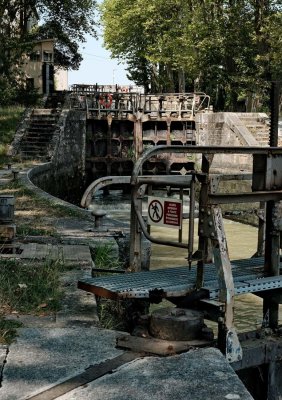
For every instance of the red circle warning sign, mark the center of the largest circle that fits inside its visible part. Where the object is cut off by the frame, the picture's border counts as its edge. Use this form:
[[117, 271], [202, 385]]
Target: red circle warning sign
[[156, 211]]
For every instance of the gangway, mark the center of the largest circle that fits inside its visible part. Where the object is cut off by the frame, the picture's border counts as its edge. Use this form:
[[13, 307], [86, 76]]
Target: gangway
[[209, 274]]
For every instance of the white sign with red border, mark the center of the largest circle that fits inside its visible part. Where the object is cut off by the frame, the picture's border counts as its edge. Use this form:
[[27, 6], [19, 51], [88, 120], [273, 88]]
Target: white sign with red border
[[164, 212]]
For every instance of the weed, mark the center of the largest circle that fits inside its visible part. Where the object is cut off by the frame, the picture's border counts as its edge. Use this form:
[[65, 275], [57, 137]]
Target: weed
[[26, 230], [32, 287], [9, 119], [31, 210], [110, 312], [104, 258], [8, 330]]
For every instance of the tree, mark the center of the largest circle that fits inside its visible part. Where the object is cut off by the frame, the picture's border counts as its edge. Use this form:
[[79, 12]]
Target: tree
[[227, 48], [66, 21]]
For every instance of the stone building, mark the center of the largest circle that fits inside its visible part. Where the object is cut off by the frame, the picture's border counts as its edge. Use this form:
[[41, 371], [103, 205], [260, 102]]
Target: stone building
[[40, 71]]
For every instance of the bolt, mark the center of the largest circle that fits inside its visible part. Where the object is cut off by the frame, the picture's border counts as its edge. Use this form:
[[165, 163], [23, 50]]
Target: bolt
[[202, 210], [210, 223], [212, 234]]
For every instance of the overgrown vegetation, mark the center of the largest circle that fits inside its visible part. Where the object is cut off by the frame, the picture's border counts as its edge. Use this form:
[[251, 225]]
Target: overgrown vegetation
[[104, 258], [68, 21], [8, 330], [9, 119], [228, 49], [27, 288], [109, 312], [30, 288], [34, 214], [115, 314]]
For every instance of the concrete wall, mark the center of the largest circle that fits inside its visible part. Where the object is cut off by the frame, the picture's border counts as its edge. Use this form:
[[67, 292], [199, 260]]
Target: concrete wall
[[65, 177], [225, 129]]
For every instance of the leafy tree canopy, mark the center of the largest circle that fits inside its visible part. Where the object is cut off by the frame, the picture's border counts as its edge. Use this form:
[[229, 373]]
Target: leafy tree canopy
[[228, 48], [25, 21]]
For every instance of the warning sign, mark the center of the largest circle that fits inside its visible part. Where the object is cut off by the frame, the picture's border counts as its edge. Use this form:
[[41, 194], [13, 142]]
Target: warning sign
[[164, 212]]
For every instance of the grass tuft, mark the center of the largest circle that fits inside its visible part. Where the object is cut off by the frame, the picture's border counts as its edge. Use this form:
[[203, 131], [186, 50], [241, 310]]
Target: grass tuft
[[103, 257], [8, 330], [9, 119], [30, 288]]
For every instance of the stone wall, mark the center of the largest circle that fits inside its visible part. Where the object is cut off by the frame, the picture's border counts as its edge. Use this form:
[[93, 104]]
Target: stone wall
[[65, 177], [225, 129]]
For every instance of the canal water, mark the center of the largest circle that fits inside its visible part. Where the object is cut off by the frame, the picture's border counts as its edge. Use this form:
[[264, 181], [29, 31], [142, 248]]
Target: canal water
[[241, 239]]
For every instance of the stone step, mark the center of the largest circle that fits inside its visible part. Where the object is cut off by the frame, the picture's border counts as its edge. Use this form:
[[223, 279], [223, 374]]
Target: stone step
[[34, 146], [45, 111], [32, 143], [43, 121], [41, 129], [38, 135], [32, 153]]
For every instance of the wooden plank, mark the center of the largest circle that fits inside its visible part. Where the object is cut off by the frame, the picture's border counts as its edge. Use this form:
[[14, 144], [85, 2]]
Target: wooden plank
[[158, 346]]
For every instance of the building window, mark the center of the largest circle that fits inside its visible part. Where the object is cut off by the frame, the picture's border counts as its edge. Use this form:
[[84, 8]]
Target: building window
[[47, 56], [35, 56], [30, 83]]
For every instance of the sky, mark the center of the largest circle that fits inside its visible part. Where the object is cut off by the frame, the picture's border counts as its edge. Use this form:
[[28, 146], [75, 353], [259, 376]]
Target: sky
[[97, 66]]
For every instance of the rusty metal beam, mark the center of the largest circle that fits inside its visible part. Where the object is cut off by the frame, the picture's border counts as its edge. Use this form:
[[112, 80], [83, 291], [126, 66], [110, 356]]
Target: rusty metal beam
[[99, 184], [252, 197]]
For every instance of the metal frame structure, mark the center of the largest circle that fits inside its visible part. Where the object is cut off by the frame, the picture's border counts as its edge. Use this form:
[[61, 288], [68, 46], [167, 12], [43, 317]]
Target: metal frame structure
[[266, 188], [209, 277]]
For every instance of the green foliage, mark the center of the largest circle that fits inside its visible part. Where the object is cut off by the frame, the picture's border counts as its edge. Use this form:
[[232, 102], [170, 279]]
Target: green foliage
[[104, 258], [229, 49], [66, 21], [29, 230], [30, 287], [8, 330], [9, 119]]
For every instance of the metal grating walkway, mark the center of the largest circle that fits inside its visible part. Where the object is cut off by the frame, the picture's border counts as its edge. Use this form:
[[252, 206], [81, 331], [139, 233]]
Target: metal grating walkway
[[179, 281]]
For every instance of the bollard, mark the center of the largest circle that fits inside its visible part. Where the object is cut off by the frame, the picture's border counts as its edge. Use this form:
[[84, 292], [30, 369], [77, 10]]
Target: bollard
[[15, 175], [98, 214]]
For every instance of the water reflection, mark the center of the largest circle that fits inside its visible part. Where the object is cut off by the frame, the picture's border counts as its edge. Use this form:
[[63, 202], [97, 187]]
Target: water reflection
[[241, 239]]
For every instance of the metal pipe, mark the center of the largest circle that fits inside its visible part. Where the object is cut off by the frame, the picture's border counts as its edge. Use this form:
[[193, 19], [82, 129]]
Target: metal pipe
[[191, 222]]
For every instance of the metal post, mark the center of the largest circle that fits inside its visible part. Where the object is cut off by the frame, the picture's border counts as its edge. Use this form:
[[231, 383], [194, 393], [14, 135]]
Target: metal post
[[274, 113], [191, 221], [109, 141], [272, 236], [232, 347], [135, 233], [138, 140], [168, 138], [203, 200]]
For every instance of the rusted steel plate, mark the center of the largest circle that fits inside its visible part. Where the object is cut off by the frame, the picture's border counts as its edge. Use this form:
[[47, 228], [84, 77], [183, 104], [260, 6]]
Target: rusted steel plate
[[158, 346], [89, 375]]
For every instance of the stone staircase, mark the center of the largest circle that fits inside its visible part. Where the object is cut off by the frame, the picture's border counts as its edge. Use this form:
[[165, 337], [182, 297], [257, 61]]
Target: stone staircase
[[36, 142], [259, 126], [36, 136]]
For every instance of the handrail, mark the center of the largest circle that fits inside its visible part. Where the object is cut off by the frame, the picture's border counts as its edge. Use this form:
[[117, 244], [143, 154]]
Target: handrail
[[199, 150]]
